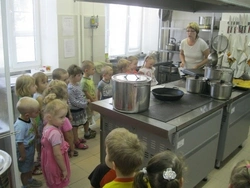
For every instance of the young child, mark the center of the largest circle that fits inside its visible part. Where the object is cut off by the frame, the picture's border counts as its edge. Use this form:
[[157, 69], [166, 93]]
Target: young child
[[148, 69], [240, 175], [41, 81], [122, 66], [60, 74], [59, 88], [25, 138], [104, 87], [88, 87], [124, 154], [133, 60], [78, 104], [164, 169], [25, 86], [55, 159]]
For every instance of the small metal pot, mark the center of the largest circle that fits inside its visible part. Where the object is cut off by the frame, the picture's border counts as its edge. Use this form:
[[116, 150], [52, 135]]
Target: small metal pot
[[205, 21], [220, 90], [131, 92], [172, 45], [195, 84], [211, 73], [226, 74]]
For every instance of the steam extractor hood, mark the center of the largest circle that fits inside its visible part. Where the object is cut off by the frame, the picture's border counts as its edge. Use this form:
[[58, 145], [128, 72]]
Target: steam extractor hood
[[186, 5]]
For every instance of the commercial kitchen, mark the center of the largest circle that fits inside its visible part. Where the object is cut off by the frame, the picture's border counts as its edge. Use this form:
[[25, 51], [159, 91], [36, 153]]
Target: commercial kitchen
[[205, 127]]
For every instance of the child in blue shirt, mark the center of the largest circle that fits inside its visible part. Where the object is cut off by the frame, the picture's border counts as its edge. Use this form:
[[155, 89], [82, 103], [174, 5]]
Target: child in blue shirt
[[25, 140]]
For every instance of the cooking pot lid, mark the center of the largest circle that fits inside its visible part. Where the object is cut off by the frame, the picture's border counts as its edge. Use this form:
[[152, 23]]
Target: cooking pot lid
[[131, 78]]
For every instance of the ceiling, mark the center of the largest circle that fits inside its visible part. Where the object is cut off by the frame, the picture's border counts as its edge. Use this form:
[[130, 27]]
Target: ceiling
[[186, 5]]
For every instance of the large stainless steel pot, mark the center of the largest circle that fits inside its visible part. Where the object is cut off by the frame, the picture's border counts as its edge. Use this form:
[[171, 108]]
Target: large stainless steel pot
[[131, 92], [195, 84], [220, 90]]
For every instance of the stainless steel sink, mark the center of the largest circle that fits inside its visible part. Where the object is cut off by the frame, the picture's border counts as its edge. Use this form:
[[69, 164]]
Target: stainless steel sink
[[5, 161]]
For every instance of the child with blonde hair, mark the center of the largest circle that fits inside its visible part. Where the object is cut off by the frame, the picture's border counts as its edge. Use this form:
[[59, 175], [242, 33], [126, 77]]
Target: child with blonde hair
[[88, 87], [60, 74], [78, 104], [164, 169], [25, 138], [122, 66], [104, 87], [41, 81], [148, 69], [124, 154], [25, 86], [59, 88], [240, 175], [55, 160], [133, 60]]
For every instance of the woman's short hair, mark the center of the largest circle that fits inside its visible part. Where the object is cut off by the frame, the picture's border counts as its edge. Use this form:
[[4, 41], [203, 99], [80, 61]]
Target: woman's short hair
[[194, 26]]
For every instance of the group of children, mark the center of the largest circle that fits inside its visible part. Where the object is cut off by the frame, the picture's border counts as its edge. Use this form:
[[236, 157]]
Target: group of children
[[50, 114], [129, 66], [125, 154]]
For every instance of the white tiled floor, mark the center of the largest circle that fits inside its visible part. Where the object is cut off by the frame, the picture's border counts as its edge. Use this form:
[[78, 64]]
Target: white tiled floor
[[82, 165]]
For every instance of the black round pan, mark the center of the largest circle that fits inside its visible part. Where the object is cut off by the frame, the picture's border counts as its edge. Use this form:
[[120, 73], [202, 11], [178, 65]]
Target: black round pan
[[167, 94]]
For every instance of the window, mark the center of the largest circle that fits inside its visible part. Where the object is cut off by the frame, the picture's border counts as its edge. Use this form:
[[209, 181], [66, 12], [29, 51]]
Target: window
[[123, 30], [23, 34]]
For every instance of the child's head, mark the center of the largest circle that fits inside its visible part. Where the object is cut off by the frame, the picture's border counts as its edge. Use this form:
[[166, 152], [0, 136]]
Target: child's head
[[133, 60], [55, 110], [75, 72], [88, 68], [149, 61], [41, 81], [60, 74], [57, 87], [25, 86], [28, 107], [124, 151], [164, 170], [240, 176], [107, 73], [123, 66]]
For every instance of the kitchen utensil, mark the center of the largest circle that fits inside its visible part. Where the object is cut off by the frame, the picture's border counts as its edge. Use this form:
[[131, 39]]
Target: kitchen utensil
[[131, 92], [205, 21], [220, 43], [226, 74], [220, 90], [211, 73], [229, 24], [212, 59], [168, 69], [177, 47], [195, 84], [235, 24], [244, 23], [172, 44], [240, 23], [167, 94]]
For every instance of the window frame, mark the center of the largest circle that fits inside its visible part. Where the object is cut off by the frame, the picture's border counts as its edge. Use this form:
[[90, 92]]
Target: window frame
[[12, 35], [128, 51]]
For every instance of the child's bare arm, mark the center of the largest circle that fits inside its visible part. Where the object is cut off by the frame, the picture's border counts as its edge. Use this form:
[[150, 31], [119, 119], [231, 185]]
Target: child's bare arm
[[68, 136], [59, 159], [98, 94], [92, 99], [21, 150]]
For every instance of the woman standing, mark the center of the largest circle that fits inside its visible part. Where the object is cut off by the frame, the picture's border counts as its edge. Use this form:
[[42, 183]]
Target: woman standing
[[193, 49]]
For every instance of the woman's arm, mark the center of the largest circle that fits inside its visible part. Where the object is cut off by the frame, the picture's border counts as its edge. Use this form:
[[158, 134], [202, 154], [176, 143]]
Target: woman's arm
[[60, 161], [205, 60], [182, 58]]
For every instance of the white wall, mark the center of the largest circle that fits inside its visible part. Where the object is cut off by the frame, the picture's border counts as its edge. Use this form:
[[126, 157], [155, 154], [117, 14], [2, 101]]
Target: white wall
[[52, 41]]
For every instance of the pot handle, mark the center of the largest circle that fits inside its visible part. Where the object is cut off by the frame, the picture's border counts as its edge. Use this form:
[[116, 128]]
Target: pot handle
[[133, 74], [142, 85]]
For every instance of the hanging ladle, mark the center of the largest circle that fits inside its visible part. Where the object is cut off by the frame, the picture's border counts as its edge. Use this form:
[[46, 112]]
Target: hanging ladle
[[212, 59]]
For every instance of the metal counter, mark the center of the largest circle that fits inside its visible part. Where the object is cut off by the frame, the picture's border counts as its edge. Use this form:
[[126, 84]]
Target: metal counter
[[193, 133]]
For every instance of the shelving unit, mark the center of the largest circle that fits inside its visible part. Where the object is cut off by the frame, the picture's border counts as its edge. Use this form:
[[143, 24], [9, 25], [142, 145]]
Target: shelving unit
[[164, 37]]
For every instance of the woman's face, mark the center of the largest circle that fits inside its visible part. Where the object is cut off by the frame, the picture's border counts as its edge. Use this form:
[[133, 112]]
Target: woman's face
[[191, 33]]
